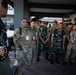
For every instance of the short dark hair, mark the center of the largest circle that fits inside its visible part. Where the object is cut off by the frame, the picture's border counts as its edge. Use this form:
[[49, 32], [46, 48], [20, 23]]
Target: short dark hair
[[32, 21], [56, 21], [73, 25], [25, 19], [4, 4], [61, 23], [39, 21], [70, 24]]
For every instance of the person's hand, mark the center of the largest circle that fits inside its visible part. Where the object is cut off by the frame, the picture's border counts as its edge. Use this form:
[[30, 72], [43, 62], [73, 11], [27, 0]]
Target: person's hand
[[22, 46], [43, 42]]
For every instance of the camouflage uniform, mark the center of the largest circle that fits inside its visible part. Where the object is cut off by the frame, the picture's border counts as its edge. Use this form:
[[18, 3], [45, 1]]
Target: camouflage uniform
[[37, 42], [34, 47], [71, 47], [49, 42], [59, 35], [44, 34], [53, 27], [24, 38]]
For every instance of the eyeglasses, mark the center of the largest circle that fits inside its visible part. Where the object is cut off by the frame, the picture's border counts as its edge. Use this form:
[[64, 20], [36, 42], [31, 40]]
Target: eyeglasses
[[4, 4]]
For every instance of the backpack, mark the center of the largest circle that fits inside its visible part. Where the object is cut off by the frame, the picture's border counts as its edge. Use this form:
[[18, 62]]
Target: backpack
[[20, 30], [41, 29]]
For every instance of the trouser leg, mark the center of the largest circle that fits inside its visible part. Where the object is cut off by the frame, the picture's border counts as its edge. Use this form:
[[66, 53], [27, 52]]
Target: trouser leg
[[68, 53]]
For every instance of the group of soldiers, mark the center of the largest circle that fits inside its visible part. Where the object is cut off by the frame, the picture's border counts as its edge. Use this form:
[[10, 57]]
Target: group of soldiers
[[31, 40]]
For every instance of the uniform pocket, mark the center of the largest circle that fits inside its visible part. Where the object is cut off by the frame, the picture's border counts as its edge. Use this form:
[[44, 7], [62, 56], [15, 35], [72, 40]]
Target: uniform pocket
[[19, 55]]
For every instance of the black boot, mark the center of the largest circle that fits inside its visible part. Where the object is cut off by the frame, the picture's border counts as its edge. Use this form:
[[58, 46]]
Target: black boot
[[51, 61], [57, 61], [38, 59], [71, 63], [64, 63], [46, 57]]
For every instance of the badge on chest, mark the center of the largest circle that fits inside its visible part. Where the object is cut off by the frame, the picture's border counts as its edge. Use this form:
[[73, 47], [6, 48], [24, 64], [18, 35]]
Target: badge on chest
[[27, 38], [1, 50]]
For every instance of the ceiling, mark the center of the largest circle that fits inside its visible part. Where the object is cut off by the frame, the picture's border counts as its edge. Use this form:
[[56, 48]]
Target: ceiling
[[53, 1], [51, 8]]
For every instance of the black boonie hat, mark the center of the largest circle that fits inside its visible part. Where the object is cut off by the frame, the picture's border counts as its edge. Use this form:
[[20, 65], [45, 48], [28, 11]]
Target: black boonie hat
[[45, 22]]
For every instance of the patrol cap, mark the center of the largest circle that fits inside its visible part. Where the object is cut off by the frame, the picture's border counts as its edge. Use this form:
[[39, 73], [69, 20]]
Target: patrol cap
[[45, 22]]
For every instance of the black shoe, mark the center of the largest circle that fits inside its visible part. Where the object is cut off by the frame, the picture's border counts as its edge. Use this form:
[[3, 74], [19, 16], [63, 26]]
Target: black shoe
[[71, 63], [57, 61], [47, 59], [38, 59], [51, 61], [29, 68], [14, 70], [64, 63]]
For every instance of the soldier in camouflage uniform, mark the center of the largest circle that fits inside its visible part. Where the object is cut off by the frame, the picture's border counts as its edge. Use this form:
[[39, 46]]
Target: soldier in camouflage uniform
[[39, 24], [71, 46], [43, 41], [49, 42], [23, 42], [34, 47], [57, 43], [54, 26]]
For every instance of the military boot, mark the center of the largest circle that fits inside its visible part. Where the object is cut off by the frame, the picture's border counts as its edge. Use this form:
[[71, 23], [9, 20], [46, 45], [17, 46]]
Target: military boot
[[19, 72], [46, 57], [38, 58], [29, 68], [57, 61], [52, 59]]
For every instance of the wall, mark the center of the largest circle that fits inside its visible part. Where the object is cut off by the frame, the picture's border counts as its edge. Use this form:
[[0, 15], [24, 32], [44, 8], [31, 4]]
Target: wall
[[10, 17], [72, 17]]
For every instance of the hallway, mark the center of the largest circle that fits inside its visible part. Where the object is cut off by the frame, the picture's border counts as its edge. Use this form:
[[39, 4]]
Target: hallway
[[46, 68]]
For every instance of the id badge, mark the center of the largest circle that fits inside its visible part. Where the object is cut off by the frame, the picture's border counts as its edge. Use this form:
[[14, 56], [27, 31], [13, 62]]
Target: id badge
[[1, 50], [33, 38], [27, 38]]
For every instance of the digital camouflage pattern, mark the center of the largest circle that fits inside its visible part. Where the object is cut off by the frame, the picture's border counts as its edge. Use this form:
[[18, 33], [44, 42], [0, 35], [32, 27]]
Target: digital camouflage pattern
[[71, 47], [26, 38]]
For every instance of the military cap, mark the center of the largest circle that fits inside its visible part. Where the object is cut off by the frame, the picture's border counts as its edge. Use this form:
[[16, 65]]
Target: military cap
[[45, 22]]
